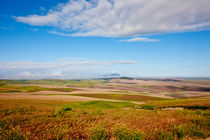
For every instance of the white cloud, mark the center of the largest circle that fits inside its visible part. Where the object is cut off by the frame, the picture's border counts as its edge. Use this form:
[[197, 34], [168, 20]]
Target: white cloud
[[34, 75], [116, 18], [24, 74], [60, 64], [59, 33], [63, 68], [140, 39]]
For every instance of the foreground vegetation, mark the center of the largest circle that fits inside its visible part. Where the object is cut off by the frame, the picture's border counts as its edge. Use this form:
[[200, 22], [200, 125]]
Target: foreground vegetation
[[39, 119]]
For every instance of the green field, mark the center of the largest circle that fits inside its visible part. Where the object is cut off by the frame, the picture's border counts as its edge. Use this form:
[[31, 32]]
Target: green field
[[6, 88], [56, 82]]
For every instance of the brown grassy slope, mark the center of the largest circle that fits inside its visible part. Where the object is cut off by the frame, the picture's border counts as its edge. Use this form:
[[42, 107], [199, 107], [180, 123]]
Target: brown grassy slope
[[35, 119], [125, 97]]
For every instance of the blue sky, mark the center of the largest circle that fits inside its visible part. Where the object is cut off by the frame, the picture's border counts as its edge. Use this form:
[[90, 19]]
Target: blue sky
[[90, 39]]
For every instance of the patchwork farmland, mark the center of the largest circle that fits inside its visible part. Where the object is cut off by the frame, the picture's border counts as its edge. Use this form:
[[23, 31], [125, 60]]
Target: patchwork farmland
[[116, 108]]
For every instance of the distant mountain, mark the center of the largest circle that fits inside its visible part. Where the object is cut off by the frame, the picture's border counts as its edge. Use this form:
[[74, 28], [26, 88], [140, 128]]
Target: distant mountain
[[111, 75]]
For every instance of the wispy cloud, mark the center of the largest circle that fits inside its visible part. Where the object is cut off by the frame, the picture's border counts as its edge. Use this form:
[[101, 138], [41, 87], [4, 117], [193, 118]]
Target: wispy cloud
[[59, 33], [8, 27], [140, 39], [63, 68], [4, 28], [60, 64], [116, 18]]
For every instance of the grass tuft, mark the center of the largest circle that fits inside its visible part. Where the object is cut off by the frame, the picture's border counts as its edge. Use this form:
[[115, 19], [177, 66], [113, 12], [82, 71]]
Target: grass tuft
[[123, 133], [100, 133], [148, 107]]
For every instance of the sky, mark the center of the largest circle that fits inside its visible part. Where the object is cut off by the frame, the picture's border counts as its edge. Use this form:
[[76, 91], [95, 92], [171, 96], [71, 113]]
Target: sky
[[79, 39]]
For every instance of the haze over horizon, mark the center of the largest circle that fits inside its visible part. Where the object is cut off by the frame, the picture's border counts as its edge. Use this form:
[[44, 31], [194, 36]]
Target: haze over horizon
[[78, 39]]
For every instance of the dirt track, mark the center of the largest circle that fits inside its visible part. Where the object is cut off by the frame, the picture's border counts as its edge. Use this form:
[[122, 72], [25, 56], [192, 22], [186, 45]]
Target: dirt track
[[8, 96]]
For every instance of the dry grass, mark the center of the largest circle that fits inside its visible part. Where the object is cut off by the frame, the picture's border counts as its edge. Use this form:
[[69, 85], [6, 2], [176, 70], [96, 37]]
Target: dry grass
[[36, 119], [125, 97], [182, 102]]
